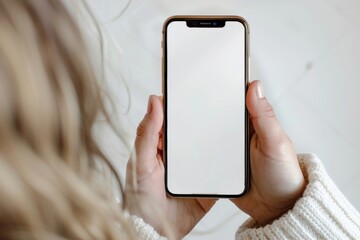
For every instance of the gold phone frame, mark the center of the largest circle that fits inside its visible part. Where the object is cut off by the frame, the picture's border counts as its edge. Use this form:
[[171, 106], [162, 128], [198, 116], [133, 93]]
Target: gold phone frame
[[164, 91]]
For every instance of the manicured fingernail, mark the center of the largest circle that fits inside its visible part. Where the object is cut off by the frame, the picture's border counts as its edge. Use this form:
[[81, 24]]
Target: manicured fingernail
[[260, 90], [149, 108]]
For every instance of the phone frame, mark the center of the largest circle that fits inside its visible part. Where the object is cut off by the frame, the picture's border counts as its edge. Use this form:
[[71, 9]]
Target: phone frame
[[246, 83]]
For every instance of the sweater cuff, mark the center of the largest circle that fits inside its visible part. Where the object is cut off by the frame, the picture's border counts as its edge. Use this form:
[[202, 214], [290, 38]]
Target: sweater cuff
[[143, 230], [321, 213]]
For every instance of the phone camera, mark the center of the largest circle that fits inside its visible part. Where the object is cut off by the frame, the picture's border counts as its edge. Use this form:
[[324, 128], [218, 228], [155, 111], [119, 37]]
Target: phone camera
[[194, 23], [214, 24]]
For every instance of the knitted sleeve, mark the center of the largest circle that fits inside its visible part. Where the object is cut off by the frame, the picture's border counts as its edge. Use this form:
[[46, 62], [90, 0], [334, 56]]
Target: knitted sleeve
[[321, 213], [144, 230]]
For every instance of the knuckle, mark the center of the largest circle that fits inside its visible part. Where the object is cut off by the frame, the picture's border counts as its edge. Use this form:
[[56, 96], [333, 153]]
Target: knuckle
[[141, 129], [268, 110]]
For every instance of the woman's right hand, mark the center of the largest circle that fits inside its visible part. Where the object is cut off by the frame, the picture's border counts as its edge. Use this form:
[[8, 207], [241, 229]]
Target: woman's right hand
[[276, 178]]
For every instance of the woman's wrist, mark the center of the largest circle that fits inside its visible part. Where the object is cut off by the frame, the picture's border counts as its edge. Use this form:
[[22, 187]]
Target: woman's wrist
[[266, 213]]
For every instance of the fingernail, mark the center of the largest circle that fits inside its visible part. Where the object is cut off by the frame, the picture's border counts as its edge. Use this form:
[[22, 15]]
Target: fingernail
[[149, 108], [260, 90]]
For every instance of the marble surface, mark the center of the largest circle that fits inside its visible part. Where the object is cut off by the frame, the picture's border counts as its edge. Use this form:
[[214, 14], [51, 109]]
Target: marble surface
[[306, 52]]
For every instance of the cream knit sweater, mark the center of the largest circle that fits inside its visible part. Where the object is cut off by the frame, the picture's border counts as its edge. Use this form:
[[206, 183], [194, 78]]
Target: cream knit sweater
[[321, 213]]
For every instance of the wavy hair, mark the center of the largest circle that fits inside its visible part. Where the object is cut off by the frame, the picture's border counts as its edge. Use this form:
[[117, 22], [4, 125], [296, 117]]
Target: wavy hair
[[55, 183]]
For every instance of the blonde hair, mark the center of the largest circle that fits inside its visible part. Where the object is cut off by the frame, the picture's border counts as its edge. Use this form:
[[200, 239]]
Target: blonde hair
[[54, 179]]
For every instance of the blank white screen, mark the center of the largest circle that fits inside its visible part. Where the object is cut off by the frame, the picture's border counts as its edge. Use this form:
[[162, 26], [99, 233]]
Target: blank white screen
[[205, 109]]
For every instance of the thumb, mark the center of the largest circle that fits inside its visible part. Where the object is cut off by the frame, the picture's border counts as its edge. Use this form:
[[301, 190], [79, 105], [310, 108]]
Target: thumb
[[148, 133], [262, 114]]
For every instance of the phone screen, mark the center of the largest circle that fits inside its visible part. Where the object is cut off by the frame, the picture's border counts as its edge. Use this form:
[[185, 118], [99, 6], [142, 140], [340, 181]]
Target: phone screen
[[205, 115]]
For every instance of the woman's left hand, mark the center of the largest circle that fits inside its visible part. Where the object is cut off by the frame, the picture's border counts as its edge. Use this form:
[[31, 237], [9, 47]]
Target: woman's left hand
[[182, 214]]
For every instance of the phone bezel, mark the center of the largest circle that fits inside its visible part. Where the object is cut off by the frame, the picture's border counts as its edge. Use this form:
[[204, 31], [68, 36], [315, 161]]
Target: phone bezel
[[164, 91]]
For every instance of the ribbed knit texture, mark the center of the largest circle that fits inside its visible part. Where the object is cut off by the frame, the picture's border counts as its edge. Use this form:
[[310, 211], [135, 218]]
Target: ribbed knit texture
[[144, 230], [322, 213]]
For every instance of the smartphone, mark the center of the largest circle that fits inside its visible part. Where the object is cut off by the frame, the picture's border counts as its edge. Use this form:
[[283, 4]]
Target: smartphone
[[206, 132]]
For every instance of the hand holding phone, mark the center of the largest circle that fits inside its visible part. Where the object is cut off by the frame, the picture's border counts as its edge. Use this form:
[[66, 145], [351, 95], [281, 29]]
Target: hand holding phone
[[277, 180], [183, 214], [170, 217]]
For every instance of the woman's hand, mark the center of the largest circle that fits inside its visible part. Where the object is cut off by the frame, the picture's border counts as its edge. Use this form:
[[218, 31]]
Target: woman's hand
[[181, 214], [276, 178]]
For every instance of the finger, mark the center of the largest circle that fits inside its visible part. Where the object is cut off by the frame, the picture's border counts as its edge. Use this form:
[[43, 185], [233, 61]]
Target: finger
[[160, 143], [262, 114], [148, 133], [251, 129]]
